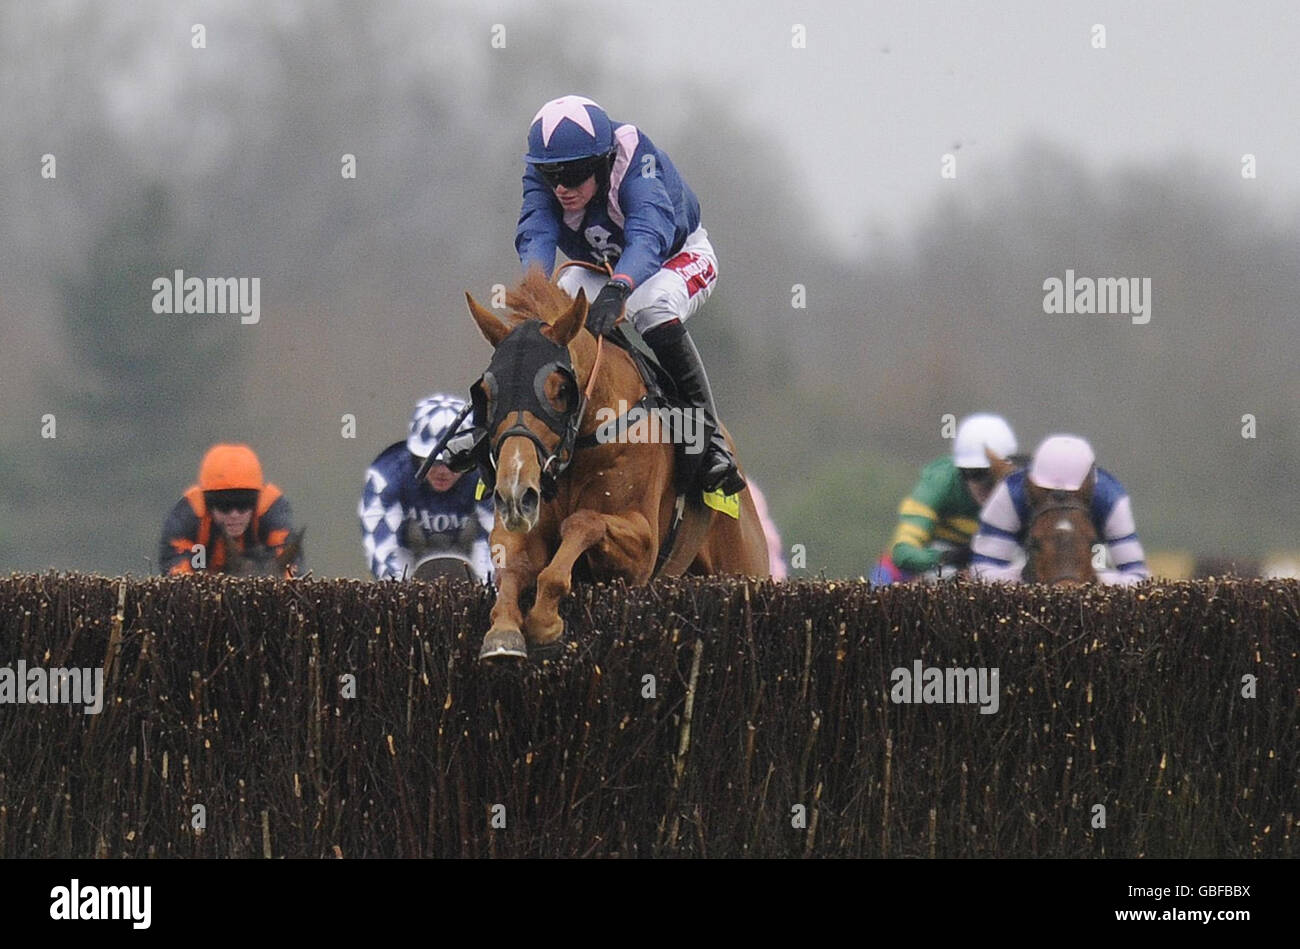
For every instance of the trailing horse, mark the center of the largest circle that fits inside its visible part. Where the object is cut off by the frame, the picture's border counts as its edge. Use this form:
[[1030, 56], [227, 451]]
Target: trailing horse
[[567, 494], [1060, 536], [262, 561]]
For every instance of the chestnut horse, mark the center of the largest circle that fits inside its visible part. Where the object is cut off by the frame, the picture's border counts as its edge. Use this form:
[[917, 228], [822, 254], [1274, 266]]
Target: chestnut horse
[[1060, 536], [562, 491]]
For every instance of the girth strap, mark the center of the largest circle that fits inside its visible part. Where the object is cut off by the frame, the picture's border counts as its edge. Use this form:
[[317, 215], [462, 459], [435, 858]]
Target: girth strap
[[644, 404], [666, 548]]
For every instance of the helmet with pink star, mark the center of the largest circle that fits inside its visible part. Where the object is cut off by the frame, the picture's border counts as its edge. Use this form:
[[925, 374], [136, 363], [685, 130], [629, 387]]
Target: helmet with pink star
[[1062, 463], [567, 129]]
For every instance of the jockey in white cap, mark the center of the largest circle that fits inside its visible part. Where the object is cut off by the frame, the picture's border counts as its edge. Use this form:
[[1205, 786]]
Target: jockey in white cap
[[1061, 463], [938, 518], [402, 520]]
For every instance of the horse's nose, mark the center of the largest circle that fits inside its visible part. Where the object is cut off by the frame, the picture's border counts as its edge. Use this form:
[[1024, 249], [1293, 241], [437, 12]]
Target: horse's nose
[[529, 502]]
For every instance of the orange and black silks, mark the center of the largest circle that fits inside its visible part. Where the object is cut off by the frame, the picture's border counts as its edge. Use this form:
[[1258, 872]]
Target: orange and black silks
[[190, 523]]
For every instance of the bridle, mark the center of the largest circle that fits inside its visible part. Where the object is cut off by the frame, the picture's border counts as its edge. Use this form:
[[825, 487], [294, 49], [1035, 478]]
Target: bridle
[[486, 390], [1066, 503], [528, 354], [515, 383]]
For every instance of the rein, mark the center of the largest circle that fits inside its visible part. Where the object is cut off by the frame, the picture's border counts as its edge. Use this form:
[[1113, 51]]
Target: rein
[[600, 340], [1069, 504]]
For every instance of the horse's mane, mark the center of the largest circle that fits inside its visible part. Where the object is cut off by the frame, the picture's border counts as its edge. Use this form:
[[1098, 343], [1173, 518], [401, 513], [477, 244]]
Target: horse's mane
[[536, 297]]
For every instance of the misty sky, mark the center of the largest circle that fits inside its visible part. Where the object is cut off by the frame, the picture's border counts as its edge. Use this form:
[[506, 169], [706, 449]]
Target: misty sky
[[863, 114], [884, 89]]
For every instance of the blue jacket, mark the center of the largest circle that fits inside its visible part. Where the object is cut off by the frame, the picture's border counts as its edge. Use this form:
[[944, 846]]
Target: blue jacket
[[642, 219]]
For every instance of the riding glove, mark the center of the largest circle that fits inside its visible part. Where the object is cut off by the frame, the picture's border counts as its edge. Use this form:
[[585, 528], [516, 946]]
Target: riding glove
[[463, 450], [607, 307], [955, 557]]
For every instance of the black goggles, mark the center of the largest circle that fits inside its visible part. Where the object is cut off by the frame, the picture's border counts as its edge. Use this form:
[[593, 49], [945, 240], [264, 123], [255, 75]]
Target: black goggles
[[977, 475], [570, 174], [232, 499]]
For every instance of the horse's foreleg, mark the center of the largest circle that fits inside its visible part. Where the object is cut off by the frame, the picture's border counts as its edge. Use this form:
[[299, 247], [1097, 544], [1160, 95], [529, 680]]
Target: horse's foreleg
[[519, 564], [624, 545]]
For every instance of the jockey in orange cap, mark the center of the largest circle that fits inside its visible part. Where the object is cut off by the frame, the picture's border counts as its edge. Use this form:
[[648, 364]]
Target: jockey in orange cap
[[231, 510]]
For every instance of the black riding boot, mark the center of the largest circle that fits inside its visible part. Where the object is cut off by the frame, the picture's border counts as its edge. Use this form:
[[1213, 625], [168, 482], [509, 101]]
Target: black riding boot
[[676, 352]]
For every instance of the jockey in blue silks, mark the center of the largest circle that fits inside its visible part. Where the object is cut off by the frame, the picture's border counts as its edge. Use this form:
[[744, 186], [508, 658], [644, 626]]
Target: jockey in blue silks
[[1060, 463], [600, 191]]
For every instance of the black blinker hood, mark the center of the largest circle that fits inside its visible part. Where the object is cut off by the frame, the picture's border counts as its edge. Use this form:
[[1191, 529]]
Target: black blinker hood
[[515, 383]]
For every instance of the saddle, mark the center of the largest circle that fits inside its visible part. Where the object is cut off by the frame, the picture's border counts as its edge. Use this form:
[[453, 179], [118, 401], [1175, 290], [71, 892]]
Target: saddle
[[661, 392], [655, 377]]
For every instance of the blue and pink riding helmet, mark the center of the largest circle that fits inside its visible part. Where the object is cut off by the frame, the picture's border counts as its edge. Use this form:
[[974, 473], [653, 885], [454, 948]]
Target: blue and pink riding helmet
[[570, 139]]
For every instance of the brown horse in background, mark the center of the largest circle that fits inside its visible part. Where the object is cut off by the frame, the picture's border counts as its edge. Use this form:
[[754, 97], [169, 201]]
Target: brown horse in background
[[1060, 537], [1000, 467], [612, 501]]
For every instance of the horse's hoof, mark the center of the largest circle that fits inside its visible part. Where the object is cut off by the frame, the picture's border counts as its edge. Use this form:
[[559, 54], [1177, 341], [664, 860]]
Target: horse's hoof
[[504, 644], [550, 650], [545, 642]]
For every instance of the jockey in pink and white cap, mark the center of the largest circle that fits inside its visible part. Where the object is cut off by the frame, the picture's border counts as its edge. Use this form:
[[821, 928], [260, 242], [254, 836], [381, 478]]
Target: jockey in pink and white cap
[[1061, 463]]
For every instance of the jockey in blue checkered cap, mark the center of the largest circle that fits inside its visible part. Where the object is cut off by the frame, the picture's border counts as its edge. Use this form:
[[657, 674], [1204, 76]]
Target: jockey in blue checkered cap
[[402, 521], [600, 191]]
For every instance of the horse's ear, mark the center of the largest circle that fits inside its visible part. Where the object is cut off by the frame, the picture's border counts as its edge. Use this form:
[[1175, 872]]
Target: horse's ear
[[1000, 466], [570, 322], [493, 328], [1089, 483]]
